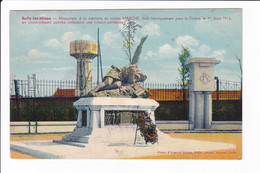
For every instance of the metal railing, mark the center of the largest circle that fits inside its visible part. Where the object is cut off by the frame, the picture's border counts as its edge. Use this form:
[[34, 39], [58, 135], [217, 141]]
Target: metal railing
[[44, 88], [227, 90]]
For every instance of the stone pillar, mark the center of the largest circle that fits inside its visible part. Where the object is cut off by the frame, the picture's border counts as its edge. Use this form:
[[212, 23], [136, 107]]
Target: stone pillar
[[95, 119], [79, 119], [201, 86], [151, 113], [199, 112], [191, 110], [102, 118], [207, 110], [88, 118]]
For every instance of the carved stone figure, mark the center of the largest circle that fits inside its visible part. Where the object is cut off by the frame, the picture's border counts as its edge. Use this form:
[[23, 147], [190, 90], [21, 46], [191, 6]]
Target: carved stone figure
[[123, 81]]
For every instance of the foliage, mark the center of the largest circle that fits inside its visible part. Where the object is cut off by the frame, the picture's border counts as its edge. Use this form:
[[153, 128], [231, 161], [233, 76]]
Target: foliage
[[184, 57], [147, 128], [39, 109], [61, 109], [138, 51], [171, 110], [128, 32], [225, 110]]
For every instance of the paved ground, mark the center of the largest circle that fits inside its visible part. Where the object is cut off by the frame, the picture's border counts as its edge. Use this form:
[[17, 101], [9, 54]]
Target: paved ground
[[227, 138]]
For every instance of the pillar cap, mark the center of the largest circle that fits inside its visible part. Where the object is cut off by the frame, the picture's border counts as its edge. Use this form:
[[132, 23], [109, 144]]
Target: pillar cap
[[204, 60]]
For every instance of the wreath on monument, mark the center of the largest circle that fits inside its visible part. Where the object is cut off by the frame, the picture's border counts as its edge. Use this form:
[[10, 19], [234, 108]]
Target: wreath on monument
[[147, 128]]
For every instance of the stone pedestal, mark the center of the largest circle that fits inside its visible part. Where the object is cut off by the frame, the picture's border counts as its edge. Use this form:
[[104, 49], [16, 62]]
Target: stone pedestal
[[91, 127], [201, 85]]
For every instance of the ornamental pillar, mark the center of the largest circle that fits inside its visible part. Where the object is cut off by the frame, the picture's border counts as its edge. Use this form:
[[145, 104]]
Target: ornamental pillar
[[201, 85]]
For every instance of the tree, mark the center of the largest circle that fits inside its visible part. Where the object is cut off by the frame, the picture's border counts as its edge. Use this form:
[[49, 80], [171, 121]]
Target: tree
[[184, 57], [241, 70], [128, 32]]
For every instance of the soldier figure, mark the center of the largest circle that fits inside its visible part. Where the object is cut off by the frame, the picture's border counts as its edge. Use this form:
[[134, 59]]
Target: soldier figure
[[118, 77]]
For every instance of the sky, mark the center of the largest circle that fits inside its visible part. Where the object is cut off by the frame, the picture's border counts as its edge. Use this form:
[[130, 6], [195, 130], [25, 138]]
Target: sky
[[43, 49]]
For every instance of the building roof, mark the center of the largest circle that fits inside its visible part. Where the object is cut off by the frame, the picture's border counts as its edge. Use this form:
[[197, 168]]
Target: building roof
[[164, 94], [64, 93]]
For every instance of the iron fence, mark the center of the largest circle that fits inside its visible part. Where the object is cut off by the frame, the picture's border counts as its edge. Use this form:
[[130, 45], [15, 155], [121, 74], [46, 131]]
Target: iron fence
[[43, 88], [224, 90], [39, 88], [227, 90], [51, 100]]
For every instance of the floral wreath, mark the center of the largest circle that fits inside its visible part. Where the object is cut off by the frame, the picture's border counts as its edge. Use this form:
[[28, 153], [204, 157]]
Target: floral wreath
[[147, 128]]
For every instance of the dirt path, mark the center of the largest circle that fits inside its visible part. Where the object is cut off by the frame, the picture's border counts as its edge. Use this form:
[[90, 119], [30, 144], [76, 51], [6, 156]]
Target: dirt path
[[235, 138]]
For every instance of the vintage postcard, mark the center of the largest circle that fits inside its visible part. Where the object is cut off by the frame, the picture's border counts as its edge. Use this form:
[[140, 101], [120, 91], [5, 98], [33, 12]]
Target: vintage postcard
[[126, 84]]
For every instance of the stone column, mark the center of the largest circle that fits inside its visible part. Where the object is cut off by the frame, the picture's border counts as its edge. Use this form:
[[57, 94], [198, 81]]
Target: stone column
[[207, 110], [79, 119], [95, 119], [152, 115], [88, 118], [102, 118], [191, 110], [199, 111]]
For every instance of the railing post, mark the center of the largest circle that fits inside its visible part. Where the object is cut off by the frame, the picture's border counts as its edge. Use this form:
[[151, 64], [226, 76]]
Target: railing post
[[216, 78], [29, 128], [36, 124], [17, 97]]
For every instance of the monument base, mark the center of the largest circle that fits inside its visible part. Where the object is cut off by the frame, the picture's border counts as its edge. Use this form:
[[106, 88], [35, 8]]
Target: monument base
[[108, 135], [92, 129]]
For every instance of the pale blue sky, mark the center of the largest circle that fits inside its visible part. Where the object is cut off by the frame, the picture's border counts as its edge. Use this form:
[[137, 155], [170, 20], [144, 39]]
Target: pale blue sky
[[44, 49]]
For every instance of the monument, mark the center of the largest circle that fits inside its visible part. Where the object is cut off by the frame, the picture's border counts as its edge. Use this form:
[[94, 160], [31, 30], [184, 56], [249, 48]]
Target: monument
[[201, 85], [110, 113], [95, 125]]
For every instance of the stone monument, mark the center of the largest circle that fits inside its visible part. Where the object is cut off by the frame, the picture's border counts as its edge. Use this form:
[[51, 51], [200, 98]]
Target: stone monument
[[93, 112], [108, 113], [201, 85]]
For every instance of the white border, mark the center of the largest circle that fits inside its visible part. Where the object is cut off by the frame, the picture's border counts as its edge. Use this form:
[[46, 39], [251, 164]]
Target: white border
[[251, 132]]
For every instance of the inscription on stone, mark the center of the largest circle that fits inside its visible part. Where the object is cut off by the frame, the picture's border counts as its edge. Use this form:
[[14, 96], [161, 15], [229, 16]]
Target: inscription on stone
[[205, 78]]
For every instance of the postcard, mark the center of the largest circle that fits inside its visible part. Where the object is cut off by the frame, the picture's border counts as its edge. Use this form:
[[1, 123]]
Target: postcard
[[141, 83]]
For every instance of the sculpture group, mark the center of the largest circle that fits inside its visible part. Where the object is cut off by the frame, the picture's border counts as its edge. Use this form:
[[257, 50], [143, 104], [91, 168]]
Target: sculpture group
[[123, 81]]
